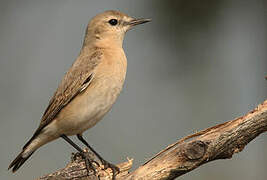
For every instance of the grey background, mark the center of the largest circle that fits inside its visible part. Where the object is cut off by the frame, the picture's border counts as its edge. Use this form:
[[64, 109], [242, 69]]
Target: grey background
[[199, 63]]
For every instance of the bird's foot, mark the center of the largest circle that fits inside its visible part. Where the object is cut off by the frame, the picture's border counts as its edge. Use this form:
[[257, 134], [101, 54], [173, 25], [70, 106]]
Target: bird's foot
[[115, 169], [90, 164]]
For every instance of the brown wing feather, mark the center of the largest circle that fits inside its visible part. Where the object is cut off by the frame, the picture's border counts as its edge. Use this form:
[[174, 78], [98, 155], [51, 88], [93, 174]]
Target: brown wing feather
[[72, 84]]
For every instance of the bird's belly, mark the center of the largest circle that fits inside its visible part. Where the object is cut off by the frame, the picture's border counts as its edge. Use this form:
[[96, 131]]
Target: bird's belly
[[85, 110]]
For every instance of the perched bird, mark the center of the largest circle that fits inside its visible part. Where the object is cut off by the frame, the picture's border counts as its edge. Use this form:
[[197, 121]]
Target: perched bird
[[88, 89]]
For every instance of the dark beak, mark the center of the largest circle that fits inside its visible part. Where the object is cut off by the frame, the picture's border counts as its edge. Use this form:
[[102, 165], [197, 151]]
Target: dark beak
[[138, 21]]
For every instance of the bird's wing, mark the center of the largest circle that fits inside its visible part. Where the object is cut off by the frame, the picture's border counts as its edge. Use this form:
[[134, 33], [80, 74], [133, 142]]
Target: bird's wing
[[75, 81]]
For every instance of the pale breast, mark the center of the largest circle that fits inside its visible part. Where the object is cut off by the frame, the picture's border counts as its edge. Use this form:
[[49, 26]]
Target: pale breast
[[86, 109]]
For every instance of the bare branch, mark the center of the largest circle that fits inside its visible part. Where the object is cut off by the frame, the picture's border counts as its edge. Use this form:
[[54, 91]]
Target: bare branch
[[218, 142]]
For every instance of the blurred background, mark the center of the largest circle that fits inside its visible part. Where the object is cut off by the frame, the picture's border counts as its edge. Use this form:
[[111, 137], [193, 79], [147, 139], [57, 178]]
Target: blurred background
[[197, 64]]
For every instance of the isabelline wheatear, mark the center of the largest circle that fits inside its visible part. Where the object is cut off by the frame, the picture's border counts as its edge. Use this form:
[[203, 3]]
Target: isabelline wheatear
[[88, 89]]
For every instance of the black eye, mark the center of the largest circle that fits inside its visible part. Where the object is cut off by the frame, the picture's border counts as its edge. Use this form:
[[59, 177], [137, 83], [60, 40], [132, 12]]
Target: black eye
[[113, 22]]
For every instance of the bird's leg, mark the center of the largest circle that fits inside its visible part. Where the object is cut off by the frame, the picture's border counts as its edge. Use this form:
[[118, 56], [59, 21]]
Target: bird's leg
[[106, 164], [88, 162]]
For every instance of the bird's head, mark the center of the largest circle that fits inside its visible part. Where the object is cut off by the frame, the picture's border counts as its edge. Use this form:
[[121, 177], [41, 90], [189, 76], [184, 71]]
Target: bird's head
[[110, 27]]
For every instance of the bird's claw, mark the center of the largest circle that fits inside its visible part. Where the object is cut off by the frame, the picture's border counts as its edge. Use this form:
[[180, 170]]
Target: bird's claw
[[89, 164], [115, 169]]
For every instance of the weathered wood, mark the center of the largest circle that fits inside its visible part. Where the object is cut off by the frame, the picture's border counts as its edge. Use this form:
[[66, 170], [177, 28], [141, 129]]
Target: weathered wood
[[218, 142], [76, 169]]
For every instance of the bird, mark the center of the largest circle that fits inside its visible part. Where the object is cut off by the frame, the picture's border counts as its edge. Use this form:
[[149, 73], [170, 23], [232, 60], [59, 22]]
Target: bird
[[88, 89]]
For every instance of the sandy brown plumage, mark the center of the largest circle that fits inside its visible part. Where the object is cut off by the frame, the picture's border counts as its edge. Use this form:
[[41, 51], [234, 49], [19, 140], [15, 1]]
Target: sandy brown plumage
[[89, 88], [75, 81]]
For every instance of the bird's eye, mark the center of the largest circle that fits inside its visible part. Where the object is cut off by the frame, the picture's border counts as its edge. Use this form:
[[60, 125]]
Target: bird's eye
[[113, 22]]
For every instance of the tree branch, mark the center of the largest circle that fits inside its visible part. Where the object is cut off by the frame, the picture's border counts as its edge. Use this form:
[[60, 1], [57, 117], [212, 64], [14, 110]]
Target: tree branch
[[218, 142]]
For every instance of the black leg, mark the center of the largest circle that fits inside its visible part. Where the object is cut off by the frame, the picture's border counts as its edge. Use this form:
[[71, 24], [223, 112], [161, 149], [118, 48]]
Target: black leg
[[87, 161], [104, 162], [72, 143], [80, 137]]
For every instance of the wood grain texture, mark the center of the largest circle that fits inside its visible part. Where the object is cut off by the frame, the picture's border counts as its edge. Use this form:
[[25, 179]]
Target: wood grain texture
[[218, 142]]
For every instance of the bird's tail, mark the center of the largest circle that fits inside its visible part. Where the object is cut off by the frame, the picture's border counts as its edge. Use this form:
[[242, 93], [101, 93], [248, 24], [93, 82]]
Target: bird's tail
[[36, 141], [19, 160], [26, 152]]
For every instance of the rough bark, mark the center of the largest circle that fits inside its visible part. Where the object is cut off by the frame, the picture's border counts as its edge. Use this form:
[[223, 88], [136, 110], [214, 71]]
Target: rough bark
[[218, 142]]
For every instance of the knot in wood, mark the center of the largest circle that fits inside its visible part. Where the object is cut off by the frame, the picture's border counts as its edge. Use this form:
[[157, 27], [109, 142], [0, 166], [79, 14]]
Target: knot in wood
[[195, 150]]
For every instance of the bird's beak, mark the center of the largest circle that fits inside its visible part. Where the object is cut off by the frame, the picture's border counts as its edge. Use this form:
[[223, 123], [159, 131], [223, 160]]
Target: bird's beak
[[138, 21]]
